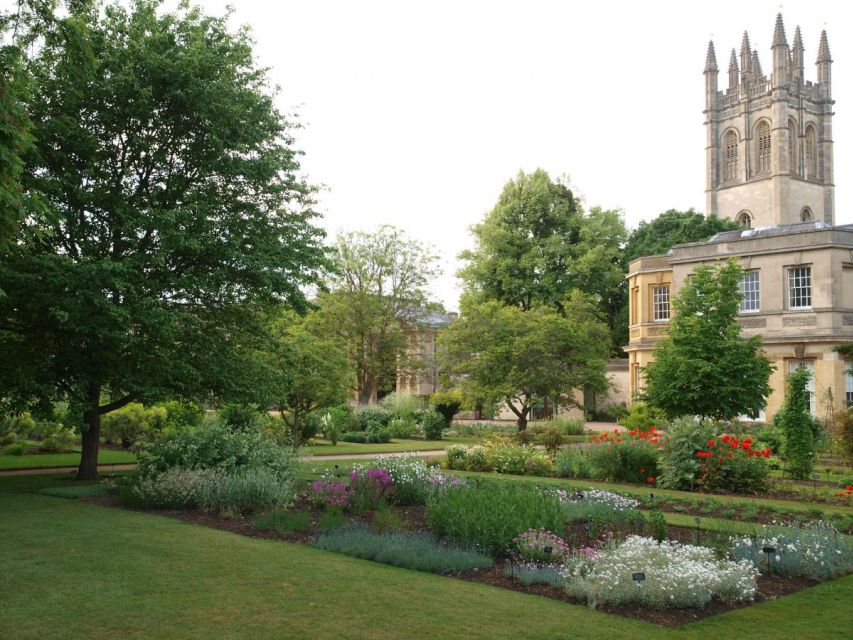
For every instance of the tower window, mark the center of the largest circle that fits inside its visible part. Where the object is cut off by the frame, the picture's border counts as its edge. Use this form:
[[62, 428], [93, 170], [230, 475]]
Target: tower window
[[793, 161], [744, 219], [730, 160], [806, 215], [660, 303], [800, 288], [811, 155], [763, 136], [750, 290]]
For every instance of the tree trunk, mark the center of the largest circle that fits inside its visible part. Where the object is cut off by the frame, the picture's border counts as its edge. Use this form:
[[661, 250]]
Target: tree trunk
[[88, 469], [522, 420]]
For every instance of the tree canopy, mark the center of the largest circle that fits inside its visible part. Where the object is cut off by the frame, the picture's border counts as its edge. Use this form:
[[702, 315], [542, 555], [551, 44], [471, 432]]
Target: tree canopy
[[537, 245], [306, 371], [503, 354], [171, 214], [377, 295], [704, 367], [673, 227]]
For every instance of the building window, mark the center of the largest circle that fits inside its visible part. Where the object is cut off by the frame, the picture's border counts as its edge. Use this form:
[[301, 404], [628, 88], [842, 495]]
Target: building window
[[806, 215], [799, 288], [638, 381], [848, 384], [809, 365], [793, 163], [750, 289], [811, 155], [730, 160], [660, 303], [763, 136], [744, 219]]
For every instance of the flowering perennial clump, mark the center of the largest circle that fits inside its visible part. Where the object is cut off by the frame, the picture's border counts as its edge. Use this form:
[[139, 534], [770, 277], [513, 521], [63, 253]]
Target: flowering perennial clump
[[815, 550], [599, 496], [412, 477], [731, 463], [331, 495], [542, 546], [658, 574], [626, 456]]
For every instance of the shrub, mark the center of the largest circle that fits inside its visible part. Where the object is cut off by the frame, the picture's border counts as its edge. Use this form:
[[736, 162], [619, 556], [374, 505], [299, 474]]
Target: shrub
[[500, 457], [770, 435], [552, 438], [132, 423], [354, 436], [336, 421], [657, 525], [21, 425], [216, 446], [642, 417], [17, 448], [815, 550], [541, 546], [240, 417], [797, 423], [843, 436], [432, 424], [331, 520], [55, 438], [402, 427], [412, 477], [447, 403], [246, 490], [574, 462], [629, 456], [409, 550], [491, 514], [368, 413], [568, 426], [182, 413], [379, 436], [676, 575], [402, 405], [175, 488], [610, 413], [704, 455]]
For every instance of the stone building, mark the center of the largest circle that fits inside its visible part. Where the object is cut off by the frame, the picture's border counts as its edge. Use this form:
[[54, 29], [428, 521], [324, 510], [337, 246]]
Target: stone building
[[768, 166]]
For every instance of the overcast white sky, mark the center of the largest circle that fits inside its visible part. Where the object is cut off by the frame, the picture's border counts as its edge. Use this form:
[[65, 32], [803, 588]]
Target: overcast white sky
[[417, 113]]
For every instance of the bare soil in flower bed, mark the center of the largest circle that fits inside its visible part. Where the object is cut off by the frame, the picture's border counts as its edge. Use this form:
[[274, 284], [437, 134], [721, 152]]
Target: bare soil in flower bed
[[769, 588]]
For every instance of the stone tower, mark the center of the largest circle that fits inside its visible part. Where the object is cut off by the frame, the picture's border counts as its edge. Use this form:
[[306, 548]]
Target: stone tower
[[769, 139]]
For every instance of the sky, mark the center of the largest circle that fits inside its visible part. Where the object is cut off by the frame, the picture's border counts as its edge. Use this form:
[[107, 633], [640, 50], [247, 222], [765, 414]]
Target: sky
[[417, 113]]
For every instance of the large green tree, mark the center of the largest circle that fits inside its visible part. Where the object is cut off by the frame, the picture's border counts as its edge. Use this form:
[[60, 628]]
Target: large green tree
[[537, 245], [704, 367], [501, 354], [673, 227], [306, 372], [377, 296], [171, 215]]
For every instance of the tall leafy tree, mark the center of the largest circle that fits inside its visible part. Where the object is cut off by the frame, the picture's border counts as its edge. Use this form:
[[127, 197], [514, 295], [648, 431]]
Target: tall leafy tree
[[673, 227], [378, 295], [797, 423], [306, 372], [172, 215], [537, 245], [704, 367], [502, 354]]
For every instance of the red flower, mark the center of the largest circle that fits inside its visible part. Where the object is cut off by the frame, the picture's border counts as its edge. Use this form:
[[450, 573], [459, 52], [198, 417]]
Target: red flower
[[650, 479], [726, 437], [711, 443], [730, 454], [720, 459]]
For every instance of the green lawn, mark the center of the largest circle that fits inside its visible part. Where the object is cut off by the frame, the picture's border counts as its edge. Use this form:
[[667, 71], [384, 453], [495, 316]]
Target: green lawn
[[320, 447], [48, 460], [72, 569]]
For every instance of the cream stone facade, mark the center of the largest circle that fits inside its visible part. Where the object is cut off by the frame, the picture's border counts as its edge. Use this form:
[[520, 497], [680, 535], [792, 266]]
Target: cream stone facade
[[769, 165]]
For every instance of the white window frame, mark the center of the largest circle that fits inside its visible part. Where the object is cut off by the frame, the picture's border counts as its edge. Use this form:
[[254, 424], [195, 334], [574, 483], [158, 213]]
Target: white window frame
[[799, 278], [848, 384], [750, 288], [660, 303]]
